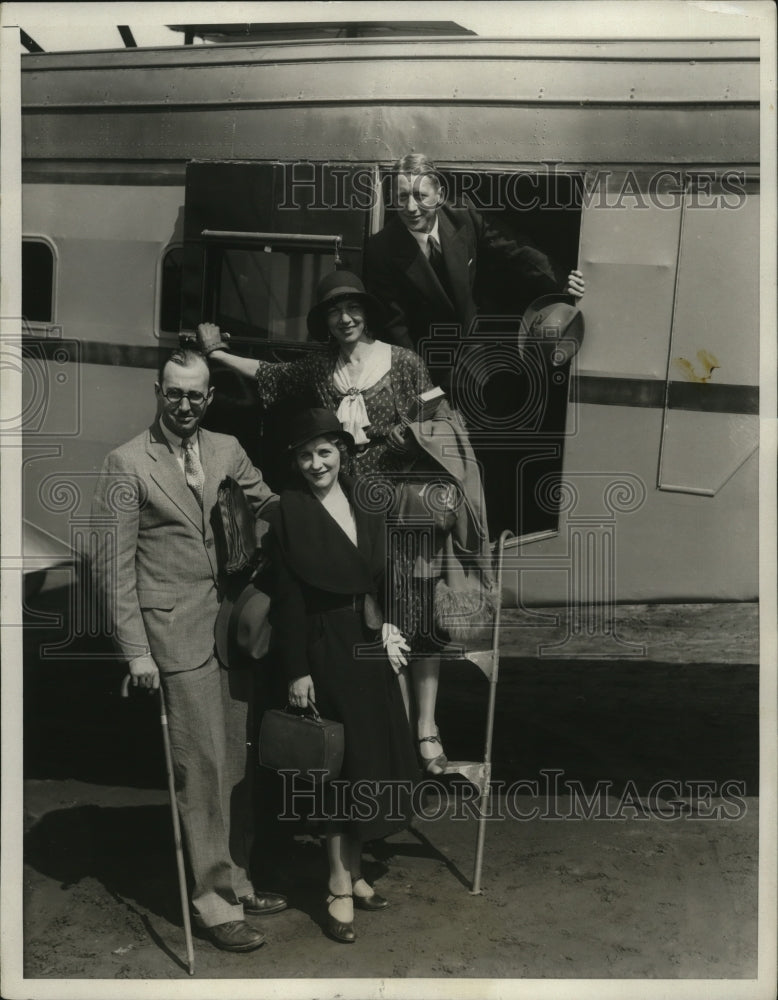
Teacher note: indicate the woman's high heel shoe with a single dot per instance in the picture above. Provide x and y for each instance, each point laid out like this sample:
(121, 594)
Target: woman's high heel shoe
(433, 765)
(339, 930)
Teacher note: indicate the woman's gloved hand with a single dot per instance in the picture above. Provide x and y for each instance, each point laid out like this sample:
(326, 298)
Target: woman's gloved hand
(210, 338)
(395, 645)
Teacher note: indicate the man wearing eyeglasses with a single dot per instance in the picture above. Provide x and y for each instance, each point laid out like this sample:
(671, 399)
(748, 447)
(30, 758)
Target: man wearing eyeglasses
(156, 570)
(423, 264)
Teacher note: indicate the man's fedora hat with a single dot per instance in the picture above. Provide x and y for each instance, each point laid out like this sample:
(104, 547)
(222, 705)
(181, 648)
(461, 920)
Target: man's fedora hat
(556, 320)
(316, 423)
(335, 286)
(242, 629)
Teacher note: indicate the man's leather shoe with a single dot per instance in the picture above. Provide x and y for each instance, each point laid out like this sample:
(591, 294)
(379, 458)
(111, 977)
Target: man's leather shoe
(261, 904)
(235, 935)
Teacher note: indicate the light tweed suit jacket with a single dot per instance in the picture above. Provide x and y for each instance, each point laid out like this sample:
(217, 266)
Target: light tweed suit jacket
(155, 568)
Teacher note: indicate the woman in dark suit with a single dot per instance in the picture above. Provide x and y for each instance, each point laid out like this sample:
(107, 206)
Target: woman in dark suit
(330, 555)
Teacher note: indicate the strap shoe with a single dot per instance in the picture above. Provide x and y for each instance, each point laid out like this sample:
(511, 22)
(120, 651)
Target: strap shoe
(339, 930)
(371, 902)
(433, 765)
(374, 902)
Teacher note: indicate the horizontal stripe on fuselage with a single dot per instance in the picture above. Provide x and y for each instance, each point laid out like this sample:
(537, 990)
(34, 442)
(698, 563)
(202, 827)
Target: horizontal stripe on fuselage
(593, 389)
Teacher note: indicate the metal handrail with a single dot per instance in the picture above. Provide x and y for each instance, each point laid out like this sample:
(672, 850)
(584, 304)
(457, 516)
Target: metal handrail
(292, 239)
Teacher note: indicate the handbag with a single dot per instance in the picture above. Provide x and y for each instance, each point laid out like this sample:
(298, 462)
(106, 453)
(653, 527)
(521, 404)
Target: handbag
(234, 528)
(307, 744)
(466, 614)
(426, 499)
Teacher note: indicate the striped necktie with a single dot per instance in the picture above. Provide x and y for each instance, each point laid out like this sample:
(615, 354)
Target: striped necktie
(193, 470)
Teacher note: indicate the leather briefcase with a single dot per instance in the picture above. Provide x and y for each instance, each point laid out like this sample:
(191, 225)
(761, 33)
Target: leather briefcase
(308, 744)
(233, 528)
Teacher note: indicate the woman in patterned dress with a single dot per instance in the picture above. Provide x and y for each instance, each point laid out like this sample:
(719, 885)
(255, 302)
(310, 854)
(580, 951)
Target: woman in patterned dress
(371, 386)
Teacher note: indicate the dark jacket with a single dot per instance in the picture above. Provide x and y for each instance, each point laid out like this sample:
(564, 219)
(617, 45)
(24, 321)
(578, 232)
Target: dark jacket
(318, 569)
(401, 277)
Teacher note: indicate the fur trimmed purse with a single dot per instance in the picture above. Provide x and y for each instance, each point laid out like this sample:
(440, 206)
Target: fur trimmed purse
(465, 608)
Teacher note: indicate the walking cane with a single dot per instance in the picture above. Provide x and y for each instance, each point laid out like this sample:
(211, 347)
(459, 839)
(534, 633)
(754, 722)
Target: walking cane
(176, 825)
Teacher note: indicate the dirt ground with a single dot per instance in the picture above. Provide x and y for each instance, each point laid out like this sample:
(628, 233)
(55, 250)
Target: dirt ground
(658, 883)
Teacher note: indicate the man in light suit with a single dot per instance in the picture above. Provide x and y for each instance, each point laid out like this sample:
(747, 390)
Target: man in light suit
(423, 264)
(156, 570)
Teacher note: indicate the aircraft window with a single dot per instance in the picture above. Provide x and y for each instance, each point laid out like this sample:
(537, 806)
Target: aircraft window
(265, 294)
(170, 290)
(37, 281)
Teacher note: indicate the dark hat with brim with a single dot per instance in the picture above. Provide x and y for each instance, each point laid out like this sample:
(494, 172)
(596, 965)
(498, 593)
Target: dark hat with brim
(316, 423)
(556, 320)
(338, 285)
(242, 630)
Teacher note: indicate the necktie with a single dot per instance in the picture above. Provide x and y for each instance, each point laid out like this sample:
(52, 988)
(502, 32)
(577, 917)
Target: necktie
(437, 263)
(193, 470)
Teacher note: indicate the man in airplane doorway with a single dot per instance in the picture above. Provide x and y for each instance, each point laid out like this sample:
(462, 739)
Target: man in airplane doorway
(423, 264)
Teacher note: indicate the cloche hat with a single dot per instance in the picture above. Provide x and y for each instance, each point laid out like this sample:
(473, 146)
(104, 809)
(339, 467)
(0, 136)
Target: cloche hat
(336, 285)
(319, 422)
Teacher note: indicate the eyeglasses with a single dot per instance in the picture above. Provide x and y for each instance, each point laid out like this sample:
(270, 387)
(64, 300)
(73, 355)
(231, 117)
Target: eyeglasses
(350, 306)
(176, 395)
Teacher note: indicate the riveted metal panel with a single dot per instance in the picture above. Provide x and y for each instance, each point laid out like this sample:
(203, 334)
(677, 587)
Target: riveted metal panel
(714, 343)
(499, 100)
(675, 547)
(629, 258)
(727, 135)
(594, 49)
(491, 80)
(701, 452)
(716, 329)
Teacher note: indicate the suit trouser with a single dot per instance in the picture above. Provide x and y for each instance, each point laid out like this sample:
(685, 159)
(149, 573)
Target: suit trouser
(209, 718)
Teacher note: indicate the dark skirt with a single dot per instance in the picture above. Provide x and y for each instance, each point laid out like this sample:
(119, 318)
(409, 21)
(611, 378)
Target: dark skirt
(360, 689)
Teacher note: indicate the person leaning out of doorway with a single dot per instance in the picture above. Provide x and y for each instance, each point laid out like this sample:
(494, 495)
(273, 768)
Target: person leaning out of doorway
(424, 264)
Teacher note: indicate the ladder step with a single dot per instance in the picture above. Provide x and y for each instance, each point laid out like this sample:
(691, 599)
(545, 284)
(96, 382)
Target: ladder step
(457, 652)
(475, 771)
